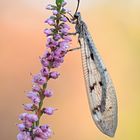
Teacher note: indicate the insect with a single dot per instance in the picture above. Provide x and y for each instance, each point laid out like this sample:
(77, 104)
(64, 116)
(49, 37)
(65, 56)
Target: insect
(100, 89)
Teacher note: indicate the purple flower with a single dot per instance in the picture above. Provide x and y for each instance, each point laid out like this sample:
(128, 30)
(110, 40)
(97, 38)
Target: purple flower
(47, 52)
(49, 7)
(55, 64)
(31, 95)
(57, 37)
(39, 79)
(28, 124)
(24, 136)
(25, 118)
(48, 93)
(44, 71)
(50, 21)
(21, 127)
(64, 25)
(34, 97)
(44, 128)
(49, 110)
(37, 131)
(54, 43)
(54, 75)
(29, 107)
(51, 43)
(42, 133)
(37, 138)
(64, 19)
(36, 100)
(36, 88)
(22, 116)
(59, 58)
(48, 57)
(48, 32)
(44, 62)
(47, 131)
(64, 3)
(60, 52)
(32, 117)
(55, 12)
(64, 31)
(29, 117)
(64, 45)
(67, 38)
(66, 10)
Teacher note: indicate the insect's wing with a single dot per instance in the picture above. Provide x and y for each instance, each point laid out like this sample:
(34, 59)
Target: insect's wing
(94, 71)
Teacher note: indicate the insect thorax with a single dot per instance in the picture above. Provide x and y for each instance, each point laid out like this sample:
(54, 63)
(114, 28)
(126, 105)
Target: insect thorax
(80, 27)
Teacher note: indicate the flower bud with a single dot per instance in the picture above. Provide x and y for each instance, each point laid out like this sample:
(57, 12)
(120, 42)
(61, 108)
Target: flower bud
(55, 12)
(21, 127)
(54, 75)
(64, 3)
(32, 117)
(44, 71)
(50, 21)
(48, 93)
(22, 116)
(44, 62)
(49, 110)
(49, 7)
(36, 88)
(24, 136)
(39, 79)
(48, 32)
(64, 19)
(29, 107)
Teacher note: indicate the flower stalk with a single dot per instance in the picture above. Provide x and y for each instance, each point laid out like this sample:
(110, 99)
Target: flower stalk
(58, 42)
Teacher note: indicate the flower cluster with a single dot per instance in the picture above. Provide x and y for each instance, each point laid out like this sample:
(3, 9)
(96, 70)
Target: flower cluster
(56, 48)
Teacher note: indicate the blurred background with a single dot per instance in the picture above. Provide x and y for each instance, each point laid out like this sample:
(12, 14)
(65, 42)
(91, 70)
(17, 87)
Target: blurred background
(115, 27)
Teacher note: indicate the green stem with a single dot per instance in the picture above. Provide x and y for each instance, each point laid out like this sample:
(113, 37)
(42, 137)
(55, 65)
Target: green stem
(39, 111)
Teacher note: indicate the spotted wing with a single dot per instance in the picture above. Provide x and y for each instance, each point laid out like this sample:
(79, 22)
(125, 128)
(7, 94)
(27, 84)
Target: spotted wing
(100, 89)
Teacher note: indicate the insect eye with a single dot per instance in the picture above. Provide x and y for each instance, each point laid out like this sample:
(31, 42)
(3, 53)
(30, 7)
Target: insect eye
(77, 15)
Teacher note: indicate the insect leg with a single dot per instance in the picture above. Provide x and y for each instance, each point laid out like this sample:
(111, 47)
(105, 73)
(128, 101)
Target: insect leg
(73, 33)
(74, 49)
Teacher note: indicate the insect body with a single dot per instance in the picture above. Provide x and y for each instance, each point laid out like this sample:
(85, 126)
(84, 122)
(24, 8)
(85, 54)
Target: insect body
(100, 89)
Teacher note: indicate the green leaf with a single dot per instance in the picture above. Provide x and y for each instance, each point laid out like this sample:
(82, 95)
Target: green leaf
(59, 2)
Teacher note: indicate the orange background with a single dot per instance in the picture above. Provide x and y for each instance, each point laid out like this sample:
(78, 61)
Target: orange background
(115, 26)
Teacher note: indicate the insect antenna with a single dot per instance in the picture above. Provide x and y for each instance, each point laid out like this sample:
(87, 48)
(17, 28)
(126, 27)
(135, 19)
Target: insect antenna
(77, 7)
(73, 16)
